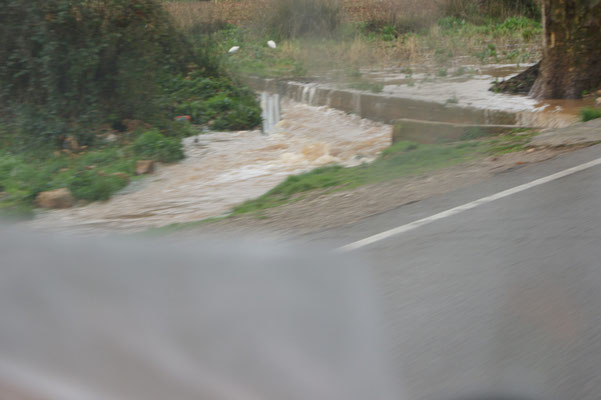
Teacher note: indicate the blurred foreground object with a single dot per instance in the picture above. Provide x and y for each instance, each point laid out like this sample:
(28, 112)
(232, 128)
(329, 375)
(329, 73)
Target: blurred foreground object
(142, 319)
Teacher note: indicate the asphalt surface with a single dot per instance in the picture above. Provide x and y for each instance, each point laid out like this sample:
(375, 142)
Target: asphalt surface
(502, 298)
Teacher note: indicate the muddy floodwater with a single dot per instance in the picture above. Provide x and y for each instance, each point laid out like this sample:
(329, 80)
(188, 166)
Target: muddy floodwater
(223, 169)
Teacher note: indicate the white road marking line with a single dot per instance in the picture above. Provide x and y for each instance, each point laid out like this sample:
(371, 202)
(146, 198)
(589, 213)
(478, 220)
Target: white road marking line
(465, 207)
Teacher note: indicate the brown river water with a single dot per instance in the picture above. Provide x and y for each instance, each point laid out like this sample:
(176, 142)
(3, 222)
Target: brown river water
(223, 169)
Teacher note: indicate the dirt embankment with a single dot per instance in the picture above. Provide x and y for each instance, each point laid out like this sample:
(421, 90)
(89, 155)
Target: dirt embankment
(320, 211)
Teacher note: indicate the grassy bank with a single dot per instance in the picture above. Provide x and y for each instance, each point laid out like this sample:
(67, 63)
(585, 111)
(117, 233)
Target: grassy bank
(90, 174)
(400, 160)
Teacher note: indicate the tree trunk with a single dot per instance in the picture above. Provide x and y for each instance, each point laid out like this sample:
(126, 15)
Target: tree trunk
(571, 61)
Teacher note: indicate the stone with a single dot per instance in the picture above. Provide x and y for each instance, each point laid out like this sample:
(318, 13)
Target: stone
(598, 101)
(71, 144)
(59, 198)
(144, 167)
(110, 138)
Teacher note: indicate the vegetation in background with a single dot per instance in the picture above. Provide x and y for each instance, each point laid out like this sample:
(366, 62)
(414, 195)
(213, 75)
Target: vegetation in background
(290, 19)
(590, 113)
(365, 33)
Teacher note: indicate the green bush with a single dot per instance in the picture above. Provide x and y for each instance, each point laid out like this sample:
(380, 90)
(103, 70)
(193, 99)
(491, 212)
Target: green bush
(68, 64)
(590, 113)
(153, 145)
(216, 102)
(239, 117)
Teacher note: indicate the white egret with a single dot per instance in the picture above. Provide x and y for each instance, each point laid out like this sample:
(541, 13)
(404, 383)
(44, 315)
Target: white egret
(271, 44)
(234, 49)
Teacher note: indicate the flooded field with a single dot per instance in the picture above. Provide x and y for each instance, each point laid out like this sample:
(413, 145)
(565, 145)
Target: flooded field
(224, 169)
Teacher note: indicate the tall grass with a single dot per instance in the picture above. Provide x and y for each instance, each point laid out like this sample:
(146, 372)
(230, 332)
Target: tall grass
(288, 19)
(400, 15)
(321, 35)
(404, 15)
(478, 11)
(198, 17)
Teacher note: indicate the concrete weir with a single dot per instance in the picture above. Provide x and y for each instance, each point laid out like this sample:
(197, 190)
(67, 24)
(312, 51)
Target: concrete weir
(416, 120)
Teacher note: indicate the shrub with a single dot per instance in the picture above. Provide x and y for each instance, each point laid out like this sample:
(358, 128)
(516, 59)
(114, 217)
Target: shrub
(71, 63)
(92, 186)
(217, 102)
(239, 117)
(590, 113)
(153, 145)
(296, 18)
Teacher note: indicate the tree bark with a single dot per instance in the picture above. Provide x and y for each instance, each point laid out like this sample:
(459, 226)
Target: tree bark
(571, 61)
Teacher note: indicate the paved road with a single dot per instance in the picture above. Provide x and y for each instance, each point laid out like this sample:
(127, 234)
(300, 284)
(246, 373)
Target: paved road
(504, 295)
